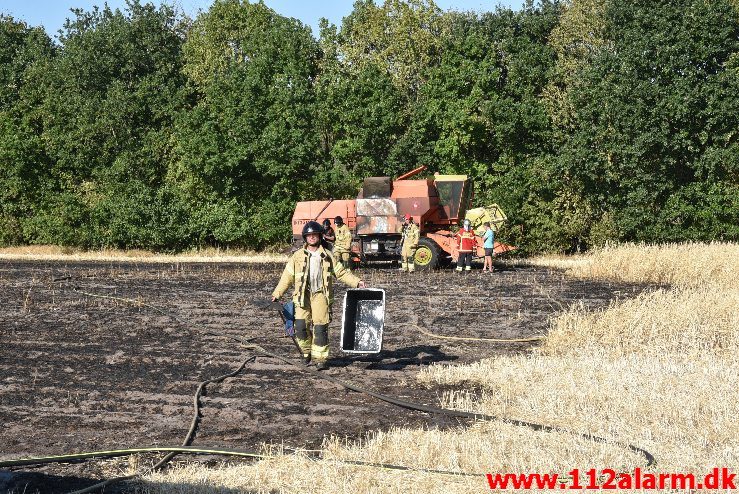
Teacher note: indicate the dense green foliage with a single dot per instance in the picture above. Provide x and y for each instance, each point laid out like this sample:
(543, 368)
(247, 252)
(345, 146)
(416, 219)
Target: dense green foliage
(587, 120)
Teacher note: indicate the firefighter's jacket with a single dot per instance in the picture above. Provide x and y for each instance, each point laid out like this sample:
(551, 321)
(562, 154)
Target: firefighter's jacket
(411, 233)
(343, 239)
(297, 274)
(466, 240)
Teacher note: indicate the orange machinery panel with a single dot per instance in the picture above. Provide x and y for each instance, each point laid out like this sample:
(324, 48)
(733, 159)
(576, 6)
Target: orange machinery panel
(414, 188)
(320, 210)
(418, 198)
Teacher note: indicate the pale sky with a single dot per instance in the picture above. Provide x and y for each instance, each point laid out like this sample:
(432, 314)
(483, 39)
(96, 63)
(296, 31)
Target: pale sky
(52, 13)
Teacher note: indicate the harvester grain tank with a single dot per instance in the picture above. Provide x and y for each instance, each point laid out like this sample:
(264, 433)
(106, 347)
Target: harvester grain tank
(375, 217)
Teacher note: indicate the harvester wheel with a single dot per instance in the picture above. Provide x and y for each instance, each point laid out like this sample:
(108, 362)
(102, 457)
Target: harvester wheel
(427, 254)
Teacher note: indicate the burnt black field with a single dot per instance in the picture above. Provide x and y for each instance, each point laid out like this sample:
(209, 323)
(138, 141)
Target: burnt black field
(81, 373)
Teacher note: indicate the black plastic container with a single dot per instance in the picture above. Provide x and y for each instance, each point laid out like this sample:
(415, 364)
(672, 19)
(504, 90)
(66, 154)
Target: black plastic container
(363, 320)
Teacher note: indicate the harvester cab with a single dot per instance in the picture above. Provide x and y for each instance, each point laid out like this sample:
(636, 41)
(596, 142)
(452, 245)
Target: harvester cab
(455, 196)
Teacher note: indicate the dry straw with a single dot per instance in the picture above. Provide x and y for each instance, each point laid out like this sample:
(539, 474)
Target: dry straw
(679, 265)
(55, 253)
(658, 371)
(689, 321)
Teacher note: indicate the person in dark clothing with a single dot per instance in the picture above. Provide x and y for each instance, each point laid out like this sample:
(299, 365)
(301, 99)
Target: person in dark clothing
(329, 236)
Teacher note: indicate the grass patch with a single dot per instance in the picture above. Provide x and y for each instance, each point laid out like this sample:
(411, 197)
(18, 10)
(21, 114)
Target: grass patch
(689, 264)
(210, 254)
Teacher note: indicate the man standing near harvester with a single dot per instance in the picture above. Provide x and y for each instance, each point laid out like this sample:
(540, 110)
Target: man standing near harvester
(410, 234)
(343, 242)
(311, 271)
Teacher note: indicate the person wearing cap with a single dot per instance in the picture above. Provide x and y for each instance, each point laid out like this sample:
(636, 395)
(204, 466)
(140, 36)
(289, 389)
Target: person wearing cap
(311, 270)
(466, 245)
(343, 242)
(410, 235)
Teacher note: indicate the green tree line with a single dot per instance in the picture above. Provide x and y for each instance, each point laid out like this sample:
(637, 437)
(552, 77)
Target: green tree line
(587, 121)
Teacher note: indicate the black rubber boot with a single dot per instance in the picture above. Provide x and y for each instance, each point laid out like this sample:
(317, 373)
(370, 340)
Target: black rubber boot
(323, 365)
(306, 359)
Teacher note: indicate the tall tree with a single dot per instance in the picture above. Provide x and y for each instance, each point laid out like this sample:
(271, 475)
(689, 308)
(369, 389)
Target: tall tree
(360, 116)
(106, 105)
(248, 148)
(578, 37)
(21, 149)
(401, 37)
(480, 111)
(654, 145)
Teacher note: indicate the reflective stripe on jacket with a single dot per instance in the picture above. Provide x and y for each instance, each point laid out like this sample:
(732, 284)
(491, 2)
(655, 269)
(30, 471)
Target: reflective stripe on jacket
(297, 274)
(466, 240)
(343, 239)
(411, 233)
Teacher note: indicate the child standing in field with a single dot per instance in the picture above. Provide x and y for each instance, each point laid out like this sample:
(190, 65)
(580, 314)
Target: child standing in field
(488, 243)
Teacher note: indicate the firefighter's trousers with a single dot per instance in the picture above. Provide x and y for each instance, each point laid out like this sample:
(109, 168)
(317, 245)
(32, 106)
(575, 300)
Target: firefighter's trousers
(407, 254)
(313, 340)
(343, 257)
(464, 260)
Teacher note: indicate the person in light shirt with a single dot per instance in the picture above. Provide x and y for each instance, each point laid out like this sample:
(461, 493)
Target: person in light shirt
(488, 243)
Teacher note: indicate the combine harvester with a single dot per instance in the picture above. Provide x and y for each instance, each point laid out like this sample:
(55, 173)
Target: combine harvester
(375, 217)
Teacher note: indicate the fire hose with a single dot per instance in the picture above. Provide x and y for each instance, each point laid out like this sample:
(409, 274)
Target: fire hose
(259, 350)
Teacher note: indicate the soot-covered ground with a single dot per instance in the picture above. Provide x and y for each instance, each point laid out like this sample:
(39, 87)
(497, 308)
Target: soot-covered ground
(81, 373)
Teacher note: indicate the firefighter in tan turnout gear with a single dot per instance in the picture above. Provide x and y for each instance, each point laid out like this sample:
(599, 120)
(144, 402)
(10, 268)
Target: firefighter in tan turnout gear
(410, 234)
(343, 242)
(311, 271)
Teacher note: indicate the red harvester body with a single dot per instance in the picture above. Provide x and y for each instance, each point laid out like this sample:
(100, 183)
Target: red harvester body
(375, 217)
